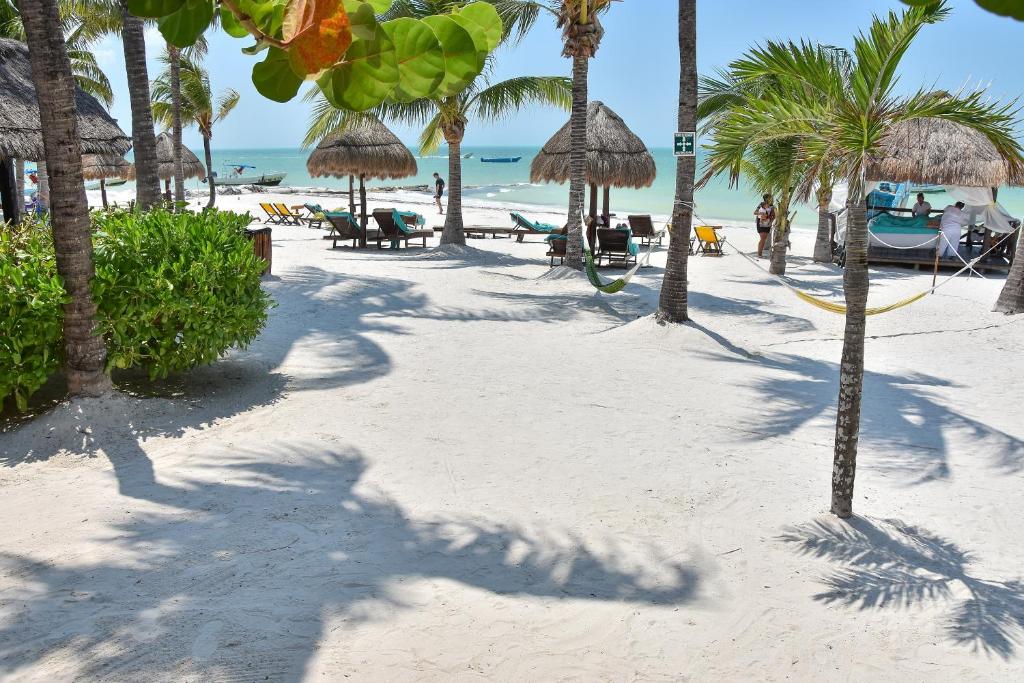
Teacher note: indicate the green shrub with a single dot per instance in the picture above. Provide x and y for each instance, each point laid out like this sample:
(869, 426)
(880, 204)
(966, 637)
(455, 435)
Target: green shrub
(176, 290)
(31, 295)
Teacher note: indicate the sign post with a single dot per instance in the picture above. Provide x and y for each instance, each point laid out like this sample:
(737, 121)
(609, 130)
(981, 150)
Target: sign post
(685, 144)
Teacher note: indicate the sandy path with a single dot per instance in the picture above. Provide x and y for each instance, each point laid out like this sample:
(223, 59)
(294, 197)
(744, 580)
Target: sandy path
(457, 469)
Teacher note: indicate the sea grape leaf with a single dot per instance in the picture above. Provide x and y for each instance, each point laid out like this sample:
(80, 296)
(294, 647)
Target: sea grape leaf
(274, 78)
(362, 19)
(376, 6)
(266, 15)
(477, 35)
(1006, 8)
(366, 77)
(183, 28)
(231, 25)
(485, 17)
(461, 59)
(421, 66)
(317, 33)
(154, 9)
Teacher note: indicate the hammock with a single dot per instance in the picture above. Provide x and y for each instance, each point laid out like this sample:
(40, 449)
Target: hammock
(615, 285)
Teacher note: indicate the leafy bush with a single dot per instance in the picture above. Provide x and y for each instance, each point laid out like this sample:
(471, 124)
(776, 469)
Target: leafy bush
(172, 290)
(176, 290)
(31, 295)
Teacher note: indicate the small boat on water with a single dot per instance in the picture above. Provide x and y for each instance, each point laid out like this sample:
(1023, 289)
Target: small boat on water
(236, 174)
(925, 188)
(109, 182)
(500, 160)
(467, 156)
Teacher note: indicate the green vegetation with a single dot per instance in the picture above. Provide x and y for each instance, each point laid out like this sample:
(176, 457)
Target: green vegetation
(173, 291)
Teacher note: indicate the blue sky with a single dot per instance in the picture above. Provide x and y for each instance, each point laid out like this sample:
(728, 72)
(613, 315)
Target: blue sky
(636, 70)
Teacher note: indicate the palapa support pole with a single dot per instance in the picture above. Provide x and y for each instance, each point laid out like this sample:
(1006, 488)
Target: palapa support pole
(606, 211)
(103, 192)
(592, 218)
(938, 250)
(362, 207)
(8, 191)
(351, 194)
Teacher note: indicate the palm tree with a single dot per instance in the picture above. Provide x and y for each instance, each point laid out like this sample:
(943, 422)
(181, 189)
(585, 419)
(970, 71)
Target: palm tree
(581, 36)
(845, 126)
(174, 65)
(1011, 298)
(445, 118)
(197, 105)
(147, 182)
(673, 303)
(72, 235)
(82, 22)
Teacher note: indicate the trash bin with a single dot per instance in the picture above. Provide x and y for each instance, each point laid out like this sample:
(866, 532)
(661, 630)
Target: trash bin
(261, 245)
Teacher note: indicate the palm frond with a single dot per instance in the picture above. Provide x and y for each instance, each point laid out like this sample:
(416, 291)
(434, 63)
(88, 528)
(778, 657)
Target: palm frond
(432, 136)
(503, 99)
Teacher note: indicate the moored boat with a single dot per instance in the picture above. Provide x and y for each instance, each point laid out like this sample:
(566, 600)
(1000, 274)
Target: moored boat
(236, 175)
(500, 160)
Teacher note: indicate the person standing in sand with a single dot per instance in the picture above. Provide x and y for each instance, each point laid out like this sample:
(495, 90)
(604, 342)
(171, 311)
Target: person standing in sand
(764, 217)
(438, 191)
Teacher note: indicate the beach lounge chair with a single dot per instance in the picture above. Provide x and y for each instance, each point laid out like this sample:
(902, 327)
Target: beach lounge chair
(709, 242)
(399, 226)
(523, 223)
(287, 217)
(643, 230)
(316, 216)
(344, 226)
(614, 246)
(272, 215)
(556, 248)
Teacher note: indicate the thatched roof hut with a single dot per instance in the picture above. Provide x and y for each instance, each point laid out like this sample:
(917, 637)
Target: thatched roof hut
(102, 166)
(943, 153)
(616, 157)
(20, 130)
(191, 166)
(367, 149)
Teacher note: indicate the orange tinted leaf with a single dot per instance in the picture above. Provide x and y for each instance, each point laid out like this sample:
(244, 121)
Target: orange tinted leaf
(317, 33)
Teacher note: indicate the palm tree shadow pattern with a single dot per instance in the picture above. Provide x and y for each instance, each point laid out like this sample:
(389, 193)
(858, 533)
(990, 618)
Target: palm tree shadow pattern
(902, 421)
(892, 565)
(239, 572)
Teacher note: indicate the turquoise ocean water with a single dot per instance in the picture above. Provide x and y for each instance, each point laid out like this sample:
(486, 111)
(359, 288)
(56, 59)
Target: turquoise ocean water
(511, 183)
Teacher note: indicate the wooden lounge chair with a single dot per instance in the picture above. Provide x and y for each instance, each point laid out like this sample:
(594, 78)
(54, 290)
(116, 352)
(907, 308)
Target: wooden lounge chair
(524, 226)
(272, 215)
(643, 230)
(344, 226)
(388, 220)
(709, 242)
(613, 246)
(287, 217)
(556, 248)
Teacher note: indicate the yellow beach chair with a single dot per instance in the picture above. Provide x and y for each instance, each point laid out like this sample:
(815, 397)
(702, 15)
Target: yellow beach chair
(709, 242)
(286, 214)
(272, 215)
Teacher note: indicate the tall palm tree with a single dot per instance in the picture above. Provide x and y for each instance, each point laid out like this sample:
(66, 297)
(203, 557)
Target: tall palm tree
(446, 118)
(72, 236)
(845, 126)
(197, 105)
(581, 36)
(147, 182)
(174, 66)
(673, 301)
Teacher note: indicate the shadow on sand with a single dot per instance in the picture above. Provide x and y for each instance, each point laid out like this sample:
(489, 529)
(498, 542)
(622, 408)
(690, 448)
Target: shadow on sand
(886, 564)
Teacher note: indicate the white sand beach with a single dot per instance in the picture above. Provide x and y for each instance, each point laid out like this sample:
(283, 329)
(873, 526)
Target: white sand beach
(465, 466)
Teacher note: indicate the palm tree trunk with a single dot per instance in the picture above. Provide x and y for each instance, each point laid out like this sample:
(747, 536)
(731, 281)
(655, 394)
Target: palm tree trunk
(453, 225)
(851, 368)
(147, 184)
(208, 158)
(673, 304)
(822, 240)
(72, 236)
(103, 193)
(179, 171)
(19, 171)
(351, 196)
(577, 162)
(12, 205)
(1011, 299)
(363, 220)
(781, 243)
(43, 187)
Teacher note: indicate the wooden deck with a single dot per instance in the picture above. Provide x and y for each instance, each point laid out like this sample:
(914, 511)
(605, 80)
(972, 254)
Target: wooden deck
(924, 259)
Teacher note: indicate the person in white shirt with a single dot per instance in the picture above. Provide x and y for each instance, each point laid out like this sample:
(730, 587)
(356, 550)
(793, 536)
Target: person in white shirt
(951, 225)
(922, 208)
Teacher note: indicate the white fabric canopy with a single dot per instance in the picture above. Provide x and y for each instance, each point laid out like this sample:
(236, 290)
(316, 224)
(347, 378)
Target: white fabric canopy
(980, 209)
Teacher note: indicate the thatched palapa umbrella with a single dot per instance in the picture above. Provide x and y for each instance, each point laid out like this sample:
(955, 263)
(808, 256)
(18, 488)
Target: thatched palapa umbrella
(103, 166)
(21, 133)
(616, 157)
(366, 149)
(190, 164)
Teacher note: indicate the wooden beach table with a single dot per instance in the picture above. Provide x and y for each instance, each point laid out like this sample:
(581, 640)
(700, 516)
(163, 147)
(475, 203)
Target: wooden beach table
(481, 232)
